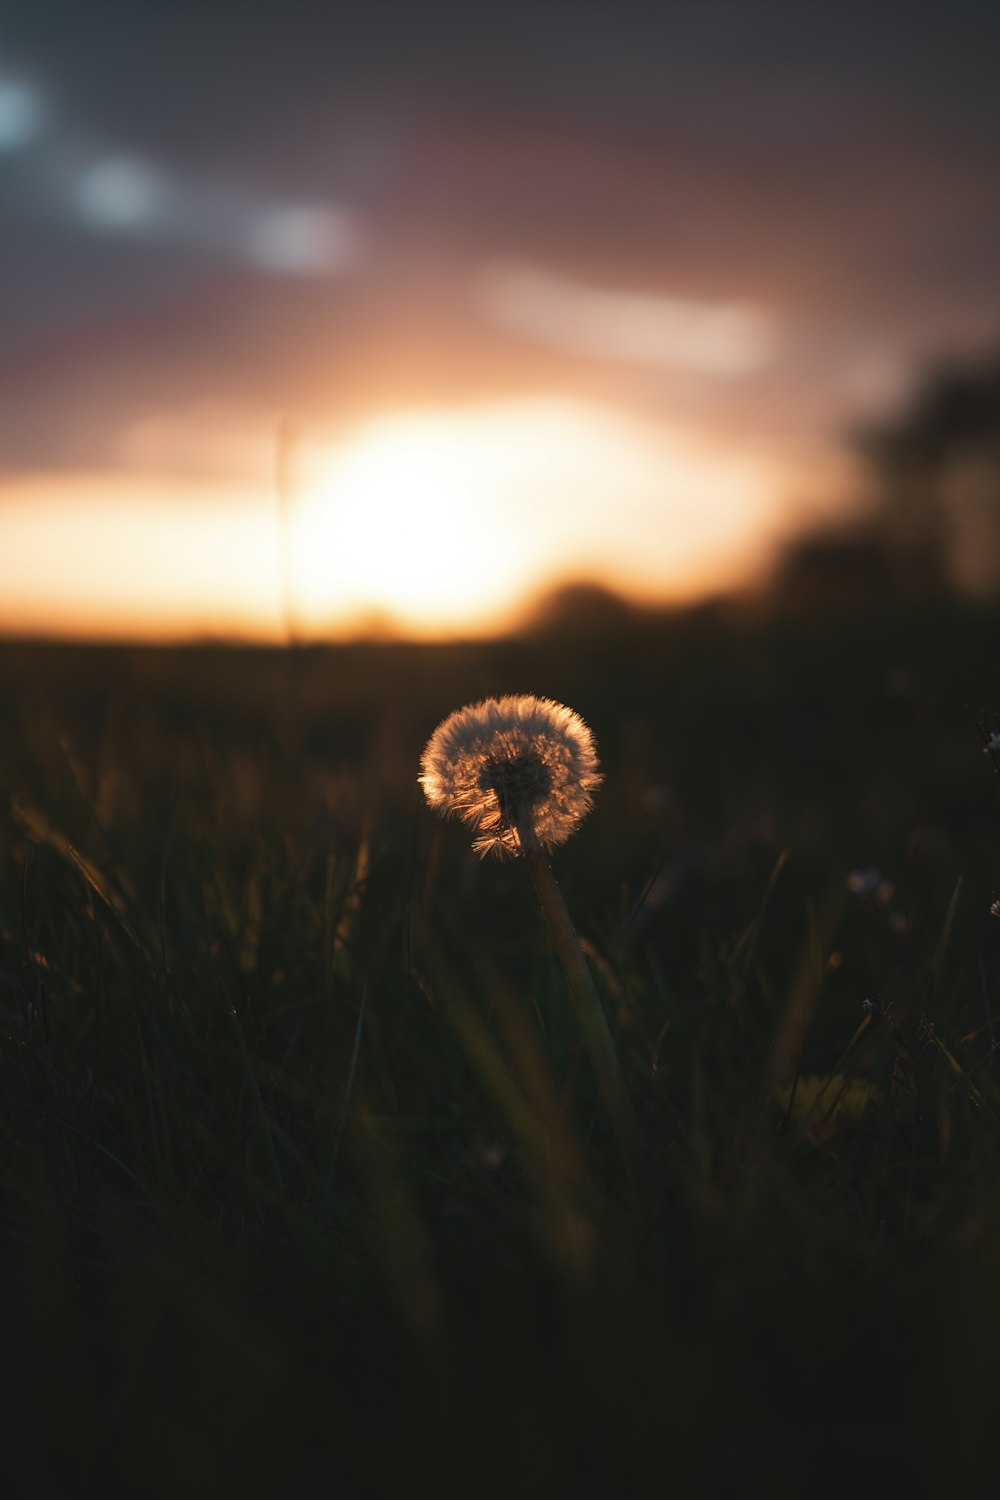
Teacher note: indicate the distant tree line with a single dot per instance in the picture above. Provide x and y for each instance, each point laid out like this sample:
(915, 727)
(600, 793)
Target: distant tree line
(931, 516)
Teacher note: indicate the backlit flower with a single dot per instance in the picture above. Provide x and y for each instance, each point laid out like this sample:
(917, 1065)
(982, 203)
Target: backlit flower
(514, 769)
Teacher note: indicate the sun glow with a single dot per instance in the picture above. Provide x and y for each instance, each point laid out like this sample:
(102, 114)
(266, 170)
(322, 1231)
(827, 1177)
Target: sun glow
(429, 523)
(110, 556)
(443, 520)
(400, 522)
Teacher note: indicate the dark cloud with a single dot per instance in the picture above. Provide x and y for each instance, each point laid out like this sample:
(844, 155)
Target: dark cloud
(835, 165)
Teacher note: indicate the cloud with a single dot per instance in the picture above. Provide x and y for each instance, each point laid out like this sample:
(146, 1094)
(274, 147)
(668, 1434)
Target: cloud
(720, 227)
(116, 193)
(120, 194)
(303, 239)
(725, 339)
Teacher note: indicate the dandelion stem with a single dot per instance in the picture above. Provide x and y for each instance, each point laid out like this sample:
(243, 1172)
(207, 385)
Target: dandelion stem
(600, 1047)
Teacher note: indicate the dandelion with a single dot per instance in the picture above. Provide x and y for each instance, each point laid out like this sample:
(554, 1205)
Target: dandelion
(521, 772)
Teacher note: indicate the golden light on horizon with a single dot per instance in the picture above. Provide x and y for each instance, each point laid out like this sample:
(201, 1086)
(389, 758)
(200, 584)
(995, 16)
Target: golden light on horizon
(449, 519)
(401, 520)
(430, 523)
(147, 557)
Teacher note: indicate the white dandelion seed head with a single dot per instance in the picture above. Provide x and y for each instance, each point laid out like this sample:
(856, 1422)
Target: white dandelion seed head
(513, 769)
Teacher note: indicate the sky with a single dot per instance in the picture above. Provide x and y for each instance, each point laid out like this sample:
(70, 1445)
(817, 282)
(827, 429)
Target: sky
(534, 292)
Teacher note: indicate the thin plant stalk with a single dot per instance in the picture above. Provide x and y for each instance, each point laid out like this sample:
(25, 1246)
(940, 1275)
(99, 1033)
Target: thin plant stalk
(286, 452)
(589, 1011)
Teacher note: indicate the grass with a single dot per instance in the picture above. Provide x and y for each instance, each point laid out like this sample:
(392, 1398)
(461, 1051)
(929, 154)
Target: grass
(306, 1186)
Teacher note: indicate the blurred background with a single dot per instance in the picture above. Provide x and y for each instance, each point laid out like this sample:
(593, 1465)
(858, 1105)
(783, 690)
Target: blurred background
(320, 322)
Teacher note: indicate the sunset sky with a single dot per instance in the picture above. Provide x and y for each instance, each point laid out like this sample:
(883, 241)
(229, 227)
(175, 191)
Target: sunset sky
(549, 291)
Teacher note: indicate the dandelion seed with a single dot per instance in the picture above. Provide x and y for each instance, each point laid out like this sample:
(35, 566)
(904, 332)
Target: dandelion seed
(520, 771)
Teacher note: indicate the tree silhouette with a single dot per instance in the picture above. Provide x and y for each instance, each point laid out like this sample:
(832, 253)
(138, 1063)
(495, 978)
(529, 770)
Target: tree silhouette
(935, 471)
(931, 482)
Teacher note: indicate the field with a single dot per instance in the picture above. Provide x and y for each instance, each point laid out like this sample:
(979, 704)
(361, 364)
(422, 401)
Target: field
(306, 1187)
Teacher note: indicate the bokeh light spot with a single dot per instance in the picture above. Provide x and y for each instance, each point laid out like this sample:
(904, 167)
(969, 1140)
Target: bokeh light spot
(22, 114)
(119, 193)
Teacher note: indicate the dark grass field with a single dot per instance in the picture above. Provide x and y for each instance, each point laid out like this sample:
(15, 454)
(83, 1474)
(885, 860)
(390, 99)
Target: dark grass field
(306, 1187)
